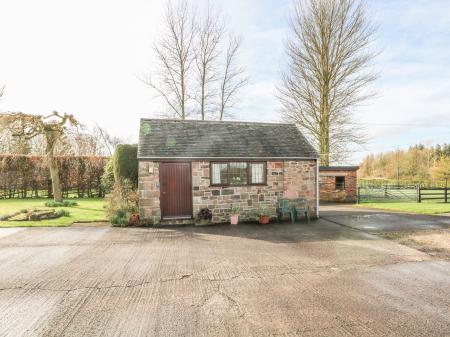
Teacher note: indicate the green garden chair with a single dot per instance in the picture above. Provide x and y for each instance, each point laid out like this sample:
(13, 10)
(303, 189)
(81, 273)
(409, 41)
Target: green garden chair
(301, 206)
(284, 206)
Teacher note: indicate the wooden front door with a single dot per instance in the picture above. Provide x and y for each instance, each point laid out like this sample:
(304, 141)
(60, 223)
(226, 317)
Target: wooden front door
(176, 191)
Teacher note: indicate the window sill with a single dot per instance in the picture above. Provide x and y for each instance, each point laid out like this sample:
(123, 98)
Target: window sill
(246, 185)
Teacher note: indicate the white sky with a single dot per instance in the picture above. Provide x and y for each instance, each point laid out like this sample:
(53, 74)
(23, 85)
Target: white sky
(85, 57)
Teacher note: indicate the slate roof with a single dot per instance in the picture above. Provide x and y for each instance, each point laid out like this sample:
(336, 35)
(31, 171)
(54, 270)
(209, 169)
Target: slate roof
(171, 139)
(339, 168)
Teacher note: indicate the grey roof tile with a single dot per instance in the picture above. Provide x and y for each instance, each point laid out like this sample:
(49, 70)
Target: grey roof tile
(164, 138)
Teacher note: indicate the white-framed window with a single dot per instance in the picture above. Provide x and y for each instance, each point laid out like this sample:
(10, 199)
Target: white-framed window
(238, 173)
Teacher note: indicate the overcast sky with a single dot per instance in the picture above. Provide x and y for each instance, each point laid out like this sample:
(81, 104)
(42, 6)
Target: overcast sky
(84, 57)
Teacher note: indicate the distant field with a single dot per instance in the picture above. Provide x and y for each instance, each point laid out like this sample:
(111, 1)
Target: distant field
(87, 210)
(426, 207)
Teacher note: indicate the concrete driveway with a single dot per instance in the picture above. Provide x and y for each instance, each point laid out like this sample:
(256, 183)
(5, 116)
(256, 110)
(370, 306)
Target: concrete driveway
(373, 220)
(318, 279)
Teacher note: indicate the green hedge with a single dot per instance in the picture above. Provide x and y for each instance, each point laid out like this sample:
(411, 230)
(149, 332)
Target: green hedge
(125, 163)
(25, 176)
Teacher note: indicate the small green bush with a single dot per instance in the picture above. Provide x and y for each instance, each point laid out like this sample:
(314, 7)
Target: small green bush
(121, 203)
(117, 221)
(65, 203)
(107, 179)
(62, 212)
(125, 163)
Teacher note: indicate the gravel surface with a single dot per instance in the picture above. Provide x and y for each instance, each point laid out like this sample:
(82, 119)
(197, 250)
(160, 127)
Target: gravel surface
(317, 279)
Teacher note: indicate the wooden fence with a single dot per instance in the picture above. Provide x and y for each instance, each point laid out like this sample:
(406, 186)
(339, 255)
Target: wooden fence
(433, 193)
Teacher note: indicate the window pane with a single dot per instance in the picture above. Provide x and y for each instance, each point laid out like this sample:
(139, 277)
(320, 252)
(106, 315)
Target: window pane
(340, 183)
(238, 174)
(219, 174)
(257, 173)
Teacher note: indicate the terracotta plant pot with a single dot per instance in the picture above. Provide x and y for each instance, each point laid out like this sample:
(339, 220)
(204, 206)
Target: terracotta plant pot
(134, 219)
(264, 219)
(234, 218)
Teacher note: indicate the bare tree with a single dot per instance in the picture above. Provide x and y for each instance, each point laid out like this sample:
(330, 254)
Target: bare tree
(207, 52)
(330, 55)
(233, 78)
(52, 128)
(85, 141)
(194, 62)
(175, 56)
(81, 142)
(109, 142)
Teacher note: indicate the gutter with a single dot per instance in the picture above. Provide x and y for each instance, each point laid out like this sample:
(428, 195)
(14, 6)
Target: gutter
(227, 158)
(317, 188)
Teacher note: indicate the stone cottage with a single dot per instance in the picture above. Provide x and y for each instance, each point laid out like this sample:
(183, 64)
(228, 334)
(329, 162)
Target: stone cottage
(338, 183)
(187, 165)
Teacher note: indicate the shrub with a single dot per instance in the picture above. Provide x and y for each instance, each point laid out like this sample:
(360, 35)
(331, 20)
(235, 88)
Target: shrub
(107, 179)
(122, 202)
(65, 203)
(125, 163)
(117, 220)
(62, 212)
(204, 214)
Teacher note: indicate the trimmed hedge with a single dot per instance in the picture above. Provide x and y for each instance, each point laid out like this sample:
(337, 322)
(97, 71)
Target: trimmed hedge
(23, 176)
(125, 163)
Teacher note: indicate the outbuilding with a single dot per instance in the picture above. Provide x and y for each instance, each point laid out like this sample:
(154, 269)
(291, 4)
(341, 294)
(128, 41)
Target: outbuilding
(188, 165)
(338, 183)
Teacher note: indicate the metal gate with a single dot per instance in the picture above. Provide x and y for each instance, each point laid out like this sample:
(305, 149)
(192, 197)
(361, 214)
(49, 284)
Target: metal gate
(407, 193)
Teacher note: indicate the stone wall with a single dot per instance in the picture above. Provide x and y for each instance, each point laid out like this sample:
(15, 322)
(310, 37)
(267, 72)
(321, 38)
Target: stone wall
(290, 179)
(328, 191)
(249, 199)
(300, 180)
(149, 206)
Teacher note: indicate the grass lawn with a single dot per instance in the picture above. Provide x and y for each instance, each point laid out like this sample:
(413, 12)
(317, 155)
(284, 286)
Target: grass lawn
(411, 207)
(87, 210)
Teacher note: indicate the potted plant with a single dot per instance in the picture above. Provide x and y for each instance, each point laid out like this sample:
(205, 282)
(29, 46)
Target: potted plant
(264, 217)
(234, 217)
(134, 219)
(204, 217)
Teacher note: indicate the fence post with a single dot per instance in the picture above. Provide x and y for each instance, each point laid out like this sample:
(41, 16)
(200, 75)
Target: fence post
(358, 200)
(419, 196)
(446, 190)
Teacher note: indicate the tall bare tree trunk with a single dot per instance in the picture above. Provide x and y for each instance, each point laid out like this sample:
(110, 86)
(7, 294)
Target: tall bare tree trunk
(233, 78)
(324, 144)
(53, 166)
(175, 55)
(329, 60)
(208, 49)
(183, 92)
(202, 96)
